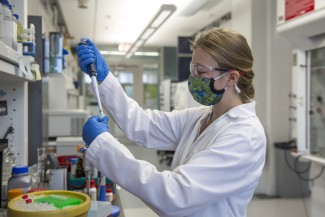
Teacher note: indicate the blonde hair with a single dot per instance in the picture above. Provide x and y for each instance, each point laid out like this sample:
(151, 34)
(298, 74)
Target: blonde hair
(231, 51)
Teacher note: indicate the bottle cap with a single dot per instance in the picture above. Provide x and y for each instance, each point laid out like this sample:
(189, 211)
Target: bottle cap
(16, 16)
(74, 160)
(108, 190)
(5, 2)
(92, 183)
(20, 169)
(15, 192)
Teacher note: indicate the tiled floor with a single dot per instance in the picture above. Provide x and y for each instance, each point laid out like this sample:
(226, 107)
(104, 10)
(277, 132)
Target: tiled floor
(134, 207)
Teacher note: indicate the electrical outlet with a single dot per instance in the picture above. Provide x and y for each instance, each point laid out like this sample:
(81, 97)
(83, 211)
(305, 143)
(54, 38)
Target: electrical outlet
(3, 108)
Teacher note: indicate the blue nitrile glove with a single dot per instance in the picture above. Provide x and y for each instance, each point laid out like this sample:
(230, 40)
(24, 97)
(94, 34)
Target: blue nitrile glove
(94, 127)
(88, 53)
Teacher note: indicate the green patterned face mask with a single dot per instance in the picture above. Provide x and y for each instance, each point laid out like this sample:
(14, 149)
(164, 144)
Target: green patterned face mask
(203, 91)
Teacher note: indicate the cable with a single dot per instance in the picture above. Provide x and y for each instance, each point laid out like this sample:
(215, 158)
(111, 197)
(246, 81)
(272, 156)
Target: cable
(287, 161)
(299, 173)
(10, 130)
(296, 166)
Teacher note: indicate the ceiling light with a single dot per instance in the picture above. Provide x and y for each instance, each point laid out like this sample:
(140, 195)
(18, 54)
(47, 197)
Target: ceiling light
(147, 33)
(139, 44)
(149, 54)
(163, 14)
(160, 19)
(122, 53)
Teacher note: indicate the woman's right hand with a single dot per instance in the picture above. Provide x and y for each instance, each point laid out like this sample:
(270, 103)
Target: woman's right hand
(87, 54)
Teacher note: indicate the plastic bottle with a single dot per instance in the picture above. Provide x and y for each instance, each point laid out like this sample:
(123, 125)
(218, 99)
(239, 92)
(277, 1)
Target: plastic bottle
(74, 162)
(109, 195)
(7, 31)
(20, 178)
(8, 163)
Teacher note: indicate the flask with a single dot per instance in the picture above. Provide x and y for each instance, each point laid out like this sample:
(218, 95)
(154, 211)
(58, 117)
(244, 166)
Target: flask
(20, 178)
(74, 162)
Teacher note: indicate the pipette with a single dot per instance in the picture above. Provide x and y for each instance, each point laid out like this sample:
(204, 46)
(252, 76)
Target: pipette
(92, 71)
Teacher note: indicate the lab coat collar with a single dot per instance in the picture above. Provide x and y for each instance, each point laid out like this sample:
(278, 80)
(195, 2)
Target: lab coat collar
(243, 111)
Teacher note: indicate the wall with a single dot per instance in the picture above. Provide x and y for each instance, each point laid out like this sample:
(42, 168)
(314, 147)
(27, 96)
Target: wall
(279, 63)
(36, 8)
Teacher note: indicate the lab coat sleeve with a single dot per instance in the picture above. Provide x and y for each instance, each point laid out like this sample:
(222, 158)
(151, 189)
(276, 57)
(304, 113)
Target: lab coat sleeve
(147, 128)
(220, 171)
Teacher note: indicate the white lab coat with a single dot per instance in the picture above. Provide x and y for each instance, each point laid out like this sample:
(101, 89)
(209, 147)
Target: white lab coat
(214, 174)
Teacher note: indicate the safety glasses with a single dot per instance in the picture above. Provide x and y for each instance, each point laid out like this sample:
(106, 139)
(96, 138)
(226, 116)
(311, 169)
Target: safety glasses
(198, 70)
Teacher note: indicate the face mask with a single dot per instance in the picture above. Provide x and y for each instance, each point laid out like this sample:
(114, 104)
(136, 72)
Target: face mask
(202, 90)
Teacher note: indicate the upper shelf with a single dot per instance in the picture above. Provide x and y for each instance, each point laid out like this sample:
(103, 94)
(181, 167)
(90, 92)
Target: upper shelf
(14, 66)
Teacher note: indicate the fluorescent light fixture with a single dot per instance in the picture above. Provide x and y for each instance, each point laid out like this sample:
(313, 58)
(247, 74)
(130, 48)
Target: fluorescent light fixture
(160, 19)
(148, 54)
(138, 44)
(147, 33)
(128, 55)
(163, 14)
(122, 53)
(114, 53)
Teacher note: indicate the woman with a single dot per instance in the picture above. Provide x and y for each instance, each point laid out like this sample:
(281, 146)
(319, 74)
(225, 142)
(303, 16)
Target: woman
(219, 147)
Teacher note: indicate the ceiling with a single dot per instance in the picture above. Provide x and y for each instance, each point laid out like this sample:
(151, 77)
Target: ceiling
(113, 22)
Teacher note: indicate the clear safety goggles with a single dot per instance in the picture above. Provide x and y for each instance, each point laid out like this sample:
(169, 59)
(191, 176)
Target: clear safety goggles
(198, 70)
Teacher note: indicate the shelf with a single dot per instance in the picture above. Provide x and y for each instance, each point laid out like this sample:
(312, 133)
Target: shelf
(14, 66)
(305, 31)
